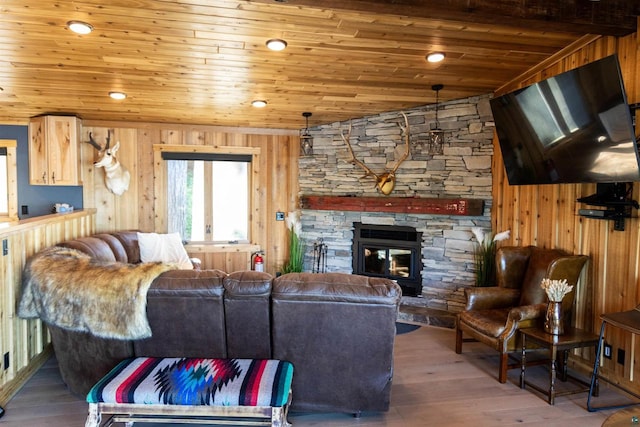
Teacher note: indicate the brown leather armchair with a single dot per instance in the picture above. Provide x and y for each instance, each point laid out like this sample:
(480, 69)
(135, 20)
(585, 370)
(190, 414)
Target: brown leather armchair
(494, 314)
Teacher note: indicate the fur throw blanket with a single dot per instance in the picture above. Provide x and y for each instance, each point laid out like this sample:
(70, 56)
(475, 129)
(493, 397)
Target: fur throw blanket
(67, 288)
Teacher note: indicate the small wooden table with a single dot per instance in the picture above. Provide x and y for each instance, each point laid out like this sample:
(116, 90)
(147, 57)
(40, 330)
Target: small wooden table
(571, 339)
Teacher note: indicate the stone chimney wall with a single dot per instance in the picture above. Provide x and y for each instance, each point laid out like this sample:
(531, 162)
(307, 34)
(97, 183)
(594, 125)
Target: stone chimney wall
(462, 171)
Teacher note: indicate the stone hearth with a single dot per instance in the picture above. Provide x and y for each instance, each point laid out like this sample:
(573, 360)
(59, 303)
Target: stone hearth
(413, 310)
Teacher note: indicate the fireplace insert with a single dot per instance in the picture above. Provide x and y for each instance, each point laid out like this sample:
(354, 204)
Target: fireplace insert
(389, 251)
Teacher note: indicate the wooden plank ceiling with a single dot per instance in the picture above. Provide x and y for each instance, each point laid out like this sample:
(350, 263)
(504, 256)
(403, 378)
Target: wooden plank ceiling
(204, 61)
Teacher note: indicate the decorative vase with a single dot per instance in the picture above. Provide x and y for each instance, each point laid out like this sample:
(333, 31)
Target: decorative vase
(553, 322)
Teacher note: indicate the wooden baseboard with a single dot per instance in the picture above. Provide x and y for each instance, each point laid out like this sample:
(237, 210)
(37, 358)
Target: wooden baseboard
(12, 387)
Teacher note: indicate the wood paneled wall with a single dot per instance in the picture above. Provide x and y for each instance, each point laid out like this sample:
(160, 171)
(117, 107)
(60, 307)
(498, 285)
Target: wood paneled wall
(547, 216)
(26, 341)
(277, 187)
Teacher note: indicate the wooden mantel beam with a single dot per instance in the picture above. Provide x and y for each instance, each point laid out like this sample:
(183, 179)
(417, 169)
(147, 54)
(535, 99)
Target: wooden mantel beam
(413, 205)
(606, 17)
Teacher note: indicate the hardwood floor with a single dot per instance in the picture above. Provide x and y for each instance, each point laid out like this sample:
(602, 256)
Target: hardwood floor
(432, 386)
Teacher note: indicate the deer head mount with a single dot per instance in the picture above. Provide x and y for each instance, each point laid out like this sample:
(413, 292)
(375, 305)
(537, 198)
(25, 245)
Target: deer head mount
(386, 181)
(117, 177)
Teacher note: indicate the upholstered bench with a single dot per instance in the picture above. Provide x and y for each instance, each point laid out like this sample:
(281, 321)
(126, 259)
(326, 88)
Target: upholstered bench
(194, 391)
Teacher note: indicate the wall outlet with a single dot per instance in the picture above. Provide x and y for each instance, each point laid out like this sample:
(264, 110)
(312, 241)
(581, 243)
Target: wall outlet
(25, 210)
(279, 216)
(621, 356)
(607, 350)
(6, 361)
(5, 247)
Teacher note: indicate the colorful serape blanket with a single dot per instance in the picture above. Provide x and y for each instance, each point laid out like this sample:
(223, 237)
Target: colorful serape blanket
(192, 381)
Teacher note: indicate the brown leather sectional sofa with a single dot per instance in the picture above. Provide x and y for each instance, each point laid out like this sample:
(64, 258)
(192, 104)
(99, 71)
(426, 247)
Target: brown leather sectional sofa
(337, 329)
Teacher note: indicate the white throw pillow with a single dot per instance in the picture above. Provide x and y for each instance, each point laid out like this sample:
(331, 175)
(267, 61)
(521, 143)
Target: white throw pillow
(167, 248)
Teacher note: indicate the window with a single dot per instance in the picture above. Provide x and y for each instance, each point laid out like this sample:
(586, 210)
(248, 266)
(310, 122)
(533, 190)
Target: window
(8, 182)
(208, 195)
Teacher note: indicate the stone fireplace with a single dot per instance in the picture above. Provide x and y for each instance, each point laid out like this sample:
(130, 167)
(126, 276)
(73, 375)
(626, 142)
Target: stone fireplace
(462, 172)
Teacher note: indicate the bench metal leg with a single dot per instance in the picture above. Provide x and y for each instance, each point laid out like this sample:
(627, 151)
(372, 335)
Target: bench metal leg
(279, 417)
(94, 417)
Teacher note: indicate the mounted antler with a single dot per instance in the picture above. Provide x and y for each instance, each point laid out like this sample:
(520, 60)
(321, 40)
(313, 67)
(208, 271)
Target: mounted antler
(355, 161)
(407, 135)
(117, 177)
(98, 146)
(386, 181)
(93, 142)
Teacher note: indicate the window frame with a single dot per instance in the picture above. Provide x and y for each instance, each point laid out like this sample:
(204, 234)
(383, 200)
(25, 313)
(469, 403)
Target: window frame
(160, 181)
(12, 181)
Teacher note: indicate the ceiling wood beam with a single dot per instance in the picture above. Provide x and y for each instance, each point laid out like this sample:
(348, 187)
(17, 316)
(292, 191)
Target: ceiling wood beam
(611, 17)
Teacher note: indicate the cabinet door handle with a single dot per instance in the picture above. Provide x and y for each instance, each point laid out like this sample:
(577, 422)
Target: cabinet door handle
(44, 177)
(53, 177)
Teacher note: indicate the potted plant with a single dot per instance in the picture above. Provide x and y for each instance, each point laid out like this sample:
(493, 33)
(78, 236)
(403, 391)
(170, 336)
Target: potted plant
(296, 247)
(485, 255)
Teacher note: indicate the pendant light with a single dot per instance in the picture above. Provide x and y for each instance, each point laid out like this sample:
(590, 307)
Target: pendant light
(436, 135)
(306, 140)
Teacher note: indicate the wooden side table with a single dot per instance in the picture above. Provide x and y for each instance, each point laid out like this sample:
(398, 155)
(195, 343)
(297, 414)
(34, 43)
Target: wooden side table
(628, 321)
(571, 339)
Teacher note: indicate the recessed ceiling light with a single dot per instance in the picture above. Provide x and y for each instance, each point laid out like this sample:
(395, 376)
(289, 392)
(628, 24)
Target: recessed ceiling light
(79, 27)
(435, 57)
(259, 103)
(118, 95)
(276, 44)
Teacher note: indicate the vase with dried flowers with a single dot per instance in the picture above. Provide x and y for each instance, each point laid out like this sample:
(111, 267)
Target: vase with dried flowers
(485, 255)
(556, 291)
(296, 248)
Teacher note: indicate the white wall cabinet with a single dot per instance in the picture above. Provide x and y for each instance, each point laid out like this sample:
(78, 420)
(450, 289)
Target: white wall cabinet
(54, 157)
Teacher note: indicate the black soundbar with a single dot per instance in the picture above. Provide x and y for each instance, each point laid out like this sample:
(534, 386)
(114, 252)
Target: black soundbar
(595, 213)
(601, 213)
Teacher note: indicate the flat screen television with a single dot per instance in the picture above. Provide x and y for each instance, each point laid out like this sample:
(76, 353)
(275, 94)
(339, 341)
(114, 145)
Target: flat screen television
(575, 127)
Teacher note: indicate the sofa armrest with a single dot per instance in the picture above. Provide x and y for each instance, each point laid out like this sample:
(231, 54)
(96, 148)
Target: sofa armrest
(525, 316)
(527, 312)
(491, 297)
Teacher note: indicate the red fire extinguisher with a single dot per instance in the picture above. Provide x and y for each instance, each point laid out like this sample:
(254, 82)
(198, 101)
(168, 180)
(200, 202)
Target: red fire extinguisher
(258, 261)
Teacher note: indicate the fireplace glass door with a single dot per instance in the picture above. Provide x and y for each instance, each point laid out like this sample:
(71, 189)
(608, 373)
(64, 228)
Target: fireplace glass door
(389, 251)
(387, 262)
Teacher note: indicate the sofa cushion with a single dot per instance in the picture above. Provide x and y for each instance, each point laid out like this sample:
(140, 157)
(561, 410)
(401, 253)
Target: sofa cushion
(490, 322)
(168, 248)
(248, 283)
(129, 240)
(336, 287)
(92, 246)
(116, 246)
